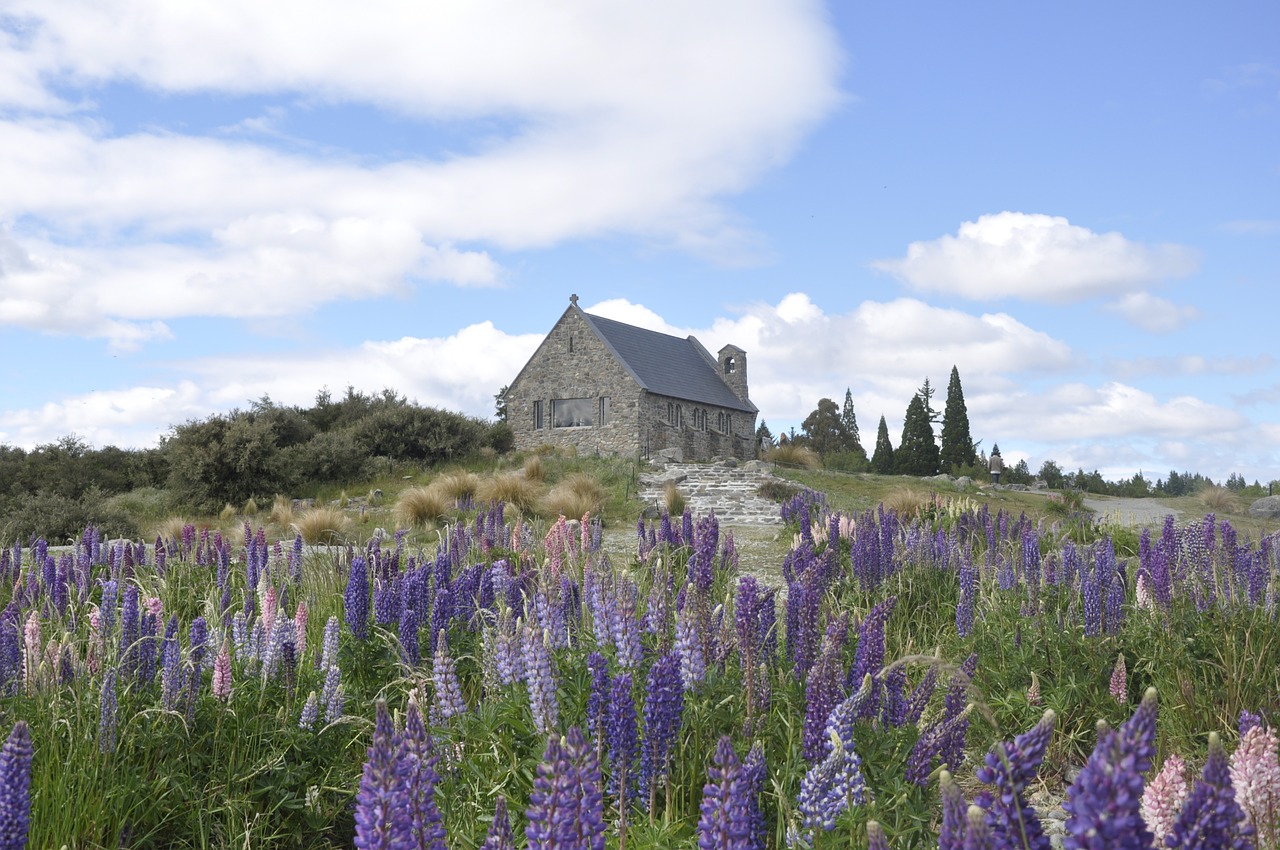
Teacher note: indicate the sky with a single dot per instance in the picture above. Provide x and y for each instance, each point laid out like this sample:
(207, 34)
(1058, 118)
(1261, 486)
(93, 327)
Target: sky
(1075, 205)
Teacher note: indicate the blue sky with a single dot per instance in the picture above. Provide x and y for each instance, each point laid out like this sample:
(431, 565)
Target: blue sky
(1078, 206)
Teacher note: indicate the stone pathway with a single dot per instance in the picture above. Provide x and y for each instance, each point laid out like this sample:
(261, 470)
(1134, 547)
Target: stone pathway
(727, 487)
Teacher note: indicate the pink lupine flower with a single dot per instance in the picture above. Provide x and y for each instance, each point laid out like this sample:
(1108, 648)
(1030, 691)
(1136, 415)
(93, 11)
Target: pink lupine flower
(222, 673)
(1119, 681)
(1255, 775)
(1163, 798)
(1033, 692)
(155, 605)
(585, 527)
(1145, 599)
(269, 605)
(300, 626)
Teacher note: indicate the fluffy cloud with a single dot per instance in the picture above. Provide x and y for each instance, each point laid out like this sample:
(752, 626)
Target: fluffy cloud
(1036, 258)
(593, 120)
(1152, 313)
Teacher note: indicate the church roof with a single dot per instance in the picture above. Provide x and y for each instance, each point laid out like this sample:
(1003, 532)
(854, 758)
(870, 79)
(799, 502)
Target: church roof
(668, 365)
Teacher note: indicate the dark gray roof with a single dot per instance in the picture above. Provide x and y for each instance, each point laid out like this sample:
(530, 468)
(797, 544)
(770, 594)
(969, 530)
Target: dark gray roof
(668, 365)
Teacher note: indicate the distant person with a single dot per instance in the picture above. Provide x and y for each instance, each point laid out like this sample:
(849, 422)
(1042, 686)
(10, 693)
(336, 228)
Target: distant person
(997, 465)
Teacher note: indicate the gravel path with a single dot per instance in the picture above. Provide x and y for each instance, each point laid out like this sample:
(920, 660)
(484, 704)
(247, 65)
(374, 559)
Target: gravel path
(1131, 512)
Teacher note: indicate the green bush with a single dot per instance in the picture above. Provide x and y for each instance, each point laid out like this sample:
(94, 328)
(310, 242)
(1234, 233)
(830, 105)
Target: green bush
(59, 518)
(847, 462)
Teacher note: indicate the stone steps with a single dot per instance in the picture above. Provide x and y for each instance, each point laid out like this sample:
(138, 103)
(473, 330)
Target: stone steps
(728, 488)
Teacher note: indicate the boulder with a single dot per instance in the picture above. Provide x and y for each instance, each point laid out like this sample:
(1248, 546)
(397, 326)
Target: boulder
(964, 482)
(675, 454)
(1267, 506)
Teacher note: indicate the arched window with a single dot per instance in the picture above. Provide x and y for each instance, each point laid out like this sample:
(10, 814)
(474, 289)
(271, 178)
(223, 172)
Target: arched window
(730, 366)
(679, 416)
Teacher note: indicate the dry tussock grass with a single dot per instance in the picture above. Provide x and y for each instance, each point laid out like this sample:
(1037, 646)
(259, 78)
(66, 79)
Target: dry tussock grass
(250, 507)
(228, 512)
(533, 469)
(282, 511)
(458, 485)
(674, 500)
(170, 528)
(323, 525)
(789, 455)
(422, 506)
(576, 495)
(1219, 500)
(513, 489)
(905, 502)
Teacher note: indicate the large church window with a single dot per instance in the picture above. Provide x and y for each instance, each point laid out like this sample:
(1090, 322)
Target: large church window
(572, 412)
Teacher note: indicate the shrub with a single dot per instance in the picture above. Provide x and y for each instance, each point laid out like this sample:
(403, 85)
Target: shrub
(143, 503)
(1220, 500)
(59, 518)
(777, 490)
(513, 490)
(421, 506)
(789, 455)
(501, 438)
(674, 500)
(575, 496)
(847, 461)
(323, 525)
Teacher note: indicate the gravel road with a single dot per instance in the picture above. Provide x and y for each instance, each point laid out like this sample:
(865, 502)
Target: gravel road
(1131, 512)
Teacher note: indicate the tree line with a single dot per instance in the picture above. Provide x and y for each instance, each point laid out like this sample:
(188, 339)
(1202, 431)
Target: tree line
(228, 458)
(832, 431)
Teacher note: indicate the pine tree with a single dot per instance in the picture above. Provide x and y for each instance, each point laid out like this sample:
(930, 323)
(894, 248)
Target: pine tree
(764, 437)
(926, 395)
(957, 442)
(882, 459)
(850, 421)
(917, 452)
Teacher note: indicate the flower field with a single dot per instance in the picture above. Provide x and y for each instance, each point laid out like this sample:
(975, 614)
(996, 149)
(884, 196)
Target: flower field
(902, 684)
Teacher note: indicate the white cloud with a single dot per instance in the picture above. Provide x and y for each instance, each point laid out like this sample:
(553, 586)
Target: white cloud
(1153, 313)
(604, 119)
(1036, 258)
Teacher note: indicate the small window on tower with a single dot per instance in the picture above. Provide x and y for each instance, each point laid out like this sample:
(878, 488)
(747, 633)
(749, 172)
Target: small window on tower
(730, 366)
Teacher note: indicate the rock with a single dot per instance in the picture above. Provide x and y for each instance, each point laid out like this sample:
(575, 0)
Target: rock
(652, 512)
(675, 454)
(1018, 488)
(1267, 506)
(941, 478)
(728, 463)
(964, 482)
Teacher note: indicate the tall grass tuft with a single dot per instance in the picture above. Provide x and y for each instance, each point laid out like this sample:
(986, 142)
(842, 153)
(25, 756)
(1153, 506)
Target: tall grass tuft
(418, 507)
(250, 507)
(514, 489)
(905, 502)
(1220, 500)
(325, 525)
(282, 511)
(674, 500)
(799, 456)
(459, 485)
(533, 468)
(228, 512)
(170, 528)
(576, 494)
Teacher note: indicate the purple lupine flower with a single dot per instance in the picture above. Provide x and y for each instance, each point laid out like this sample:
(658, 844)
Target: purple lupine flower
(1247, 721)
(108, 710)
(822, 693)
(869, 657)
(408, 630)
(500, 836)
(623, 738)
(598, 701)
(1011, 768)
(329, 648)
(382, 821)
(663, 710)
(723, 823)
(919, 699)
(356, 599)
(444, 677)
(507, 652)
(540, 678)
(310, 712)
(893, 709)
(416, 784)
(625, 627)
(951, 831)
(15, 788)
(831, 787)
(693, 665)
(954, 725)
(566, 808)
(1104, 803)
(875, 836)
(130, 631)
(968, 576)
(979, 836)
(1211, 817)
(170, 672)
(333, 696)
(753, 773)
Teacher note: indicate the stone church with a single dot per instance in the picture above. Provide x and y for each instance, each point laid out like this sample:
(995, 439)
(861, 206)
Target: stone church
(609, 388)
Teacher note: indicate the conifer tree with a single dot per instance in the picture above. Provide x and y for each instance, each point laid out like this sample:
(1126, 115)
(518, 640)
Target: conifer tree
(882, 458)
(917, 452)
(957, 442)
(850, 421)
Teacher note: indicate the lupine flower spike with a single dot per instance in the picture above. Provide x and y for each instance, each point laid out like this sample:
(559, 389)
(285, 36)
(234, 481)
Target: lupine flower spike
(1163, 798)
(500, 836)
(1255, 776)
(15, 788)
(1211, 818)
(1119, 681)
(876, 839)
(381, 821)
